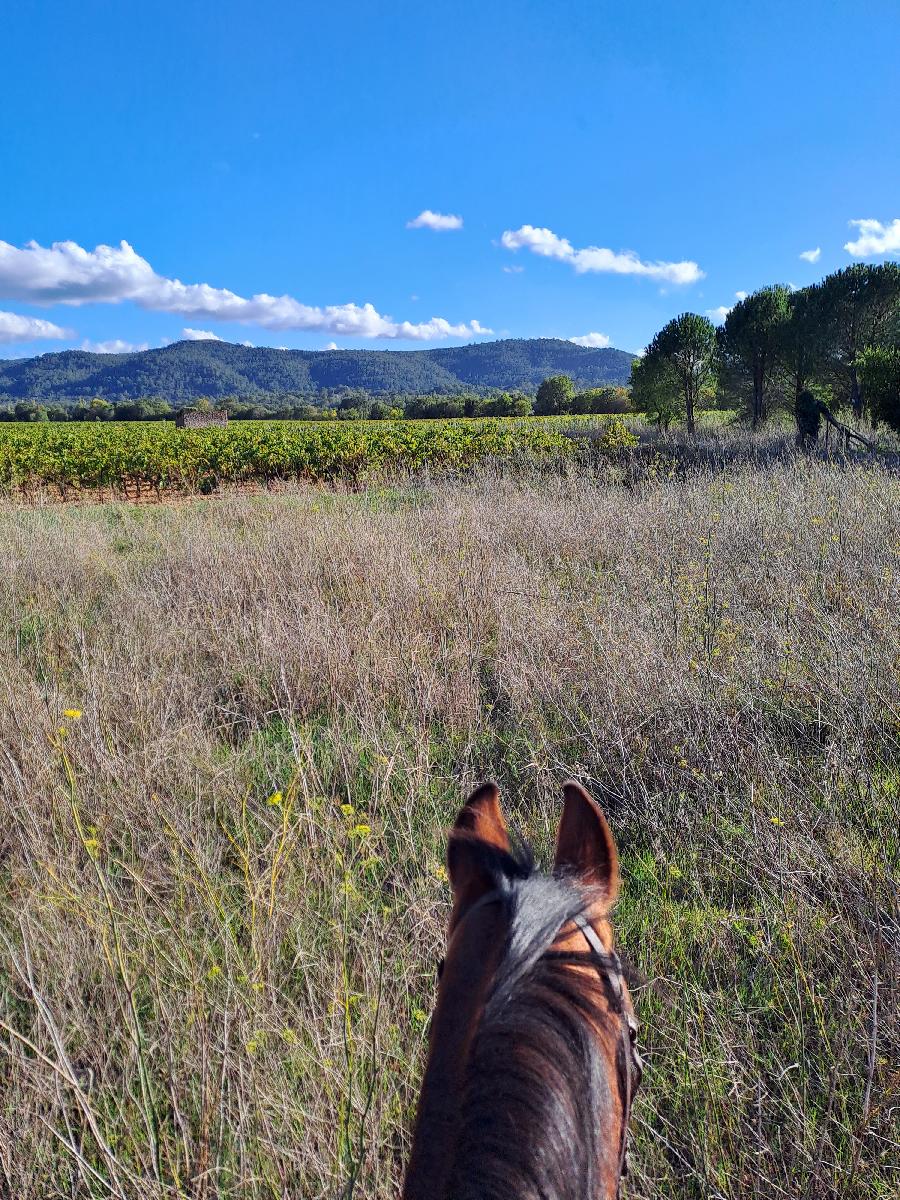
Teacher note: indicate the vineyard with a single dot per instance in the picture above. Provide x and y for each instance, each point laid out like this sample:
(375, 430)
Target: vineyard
(140, 458)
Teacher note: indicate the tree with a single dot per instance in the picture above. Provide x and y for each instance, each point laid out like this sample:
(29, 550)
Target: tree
(655, 390)
(861, 308)
(435, 407)
(602, 400)
(803, 340)
(554, 396)
(155, 407)
(130, 410)
(100, 410)
(878, 368)
(751, 339)
(381, 411)
(688, 345)
(29, 410)
(507, 404)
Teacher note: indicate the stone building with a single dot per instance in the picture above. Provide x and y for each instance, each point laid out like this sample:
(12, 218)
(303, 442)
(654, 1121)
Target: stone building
(195, 418)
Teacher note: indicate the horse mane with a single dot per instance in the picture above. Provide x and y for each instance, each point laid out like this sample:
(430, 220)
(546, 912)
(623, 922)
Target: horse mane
(536, 1086)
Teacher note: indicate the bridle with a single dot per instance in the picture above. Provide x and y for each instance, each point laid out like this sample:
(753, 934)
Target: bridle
(630, 1067)
(630, 1064)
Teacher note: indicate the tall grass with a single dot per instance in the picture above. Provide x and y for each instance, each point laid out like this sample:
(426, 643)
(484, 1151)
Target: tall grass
(221, 884)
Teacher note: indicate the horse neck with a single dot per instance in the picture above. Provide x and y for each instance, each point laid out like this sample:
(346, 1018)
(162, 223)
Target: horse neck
(461, 998)
(461, 1001)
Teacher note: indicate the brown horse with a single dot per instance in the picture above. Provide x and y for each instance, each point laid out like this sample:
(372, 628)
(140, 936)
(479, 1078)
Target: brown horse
(532, 1065)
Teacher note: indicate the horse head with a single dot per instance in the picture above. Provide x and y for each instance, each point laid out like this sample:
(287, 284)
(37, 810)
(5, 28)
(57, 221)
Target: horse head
(532, 1064)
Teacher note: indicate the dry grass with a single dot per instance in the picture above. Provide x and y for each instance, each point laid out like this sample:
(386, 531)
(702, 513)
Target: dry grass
(221, 891)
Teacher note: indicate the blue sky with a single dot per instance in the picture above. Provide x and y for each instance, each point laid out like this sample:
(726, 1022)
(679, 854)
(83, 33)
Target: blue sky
(276, 153)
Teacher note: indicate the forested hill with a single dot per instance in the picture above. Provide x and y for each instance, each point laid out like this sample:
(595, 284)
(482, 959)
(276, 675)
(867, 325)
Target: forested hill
(185, 371)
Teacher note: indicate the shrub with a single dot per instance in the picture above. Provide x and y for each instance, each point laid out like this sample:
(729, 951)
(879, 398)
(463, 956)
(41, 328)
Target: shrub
(879, 375)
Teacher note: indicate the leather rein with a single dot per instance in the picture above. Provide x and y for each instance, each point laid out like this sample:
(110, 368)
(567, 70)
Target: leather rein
(609, 967)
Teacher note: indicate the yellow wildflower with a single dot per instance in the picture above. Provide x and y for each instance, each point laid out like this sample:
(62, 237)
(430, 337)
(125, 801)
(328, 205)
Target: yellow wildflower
(74, 714)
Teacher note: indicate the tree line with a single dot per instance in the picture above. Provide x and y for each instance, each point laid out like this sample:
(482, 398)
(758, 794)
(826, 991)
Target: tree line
(556, 395)
(814, 350)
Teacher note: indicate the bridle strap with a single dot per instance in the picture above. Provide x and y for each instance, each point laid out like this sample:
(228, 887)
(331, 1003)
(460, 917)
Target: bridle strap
(609, 967)
(608, 962)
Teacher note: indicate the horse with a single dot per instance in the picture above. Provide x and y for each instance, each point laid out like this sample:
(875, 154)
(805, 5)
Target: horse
(532, 1064)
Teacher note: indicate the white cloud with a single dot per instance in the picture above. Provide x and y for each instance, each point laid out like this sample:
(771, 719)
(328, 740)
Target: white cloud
(812, 256)
(332, 346)
(114, 346)
(514, 270)
(16, 328)
(874, 238)
(591, 339)
(718, 315)
(596, 258)
(439, 222)
(66, 273)
(199, 335)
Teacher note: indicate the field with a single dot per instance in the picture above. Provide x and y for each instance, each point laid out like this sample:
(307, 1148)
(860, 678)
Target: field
(138, 458)
(232, 735)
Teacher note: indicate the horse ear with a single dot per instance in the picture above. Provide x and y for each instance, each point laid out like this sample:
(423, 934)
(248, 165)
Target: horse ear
(480, 820)
(584, 844)
(481, 816)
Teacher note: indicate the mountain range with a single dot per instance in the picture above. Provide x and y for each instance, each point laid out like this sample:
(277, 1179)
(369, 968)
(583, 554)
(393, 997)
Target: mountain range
(184, 371)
